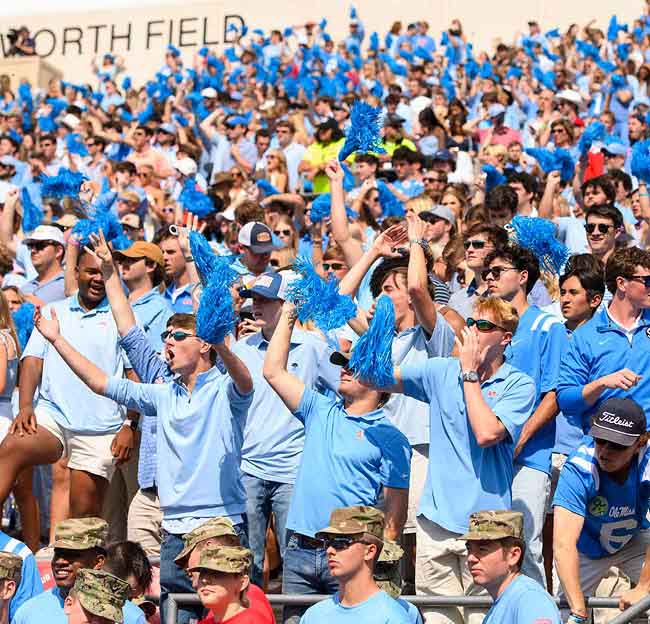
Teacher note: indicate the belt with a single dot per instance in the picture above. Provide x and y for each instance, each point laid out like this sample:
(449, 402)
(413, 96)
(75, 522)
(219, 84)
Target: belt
(151, 490)
(305, 541)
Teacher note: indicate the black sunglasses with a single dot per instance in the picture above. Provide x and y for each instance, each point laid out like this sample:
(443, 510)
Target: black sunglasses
(603, 228)
(39, 246)
(335, 266)
(284, 232)
(612, 445)
(177, 335)
(427, 217)
(495, 272)
(476, 244)
(340, 542)
(482, 325)
(644, 279)
(274, 262)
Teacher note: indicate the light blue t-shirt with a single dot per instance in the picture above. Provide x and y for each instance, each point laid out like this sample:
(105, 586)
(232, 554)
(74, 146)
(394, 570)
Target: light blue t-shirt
(273, 438)
(152, 311)
(378, 609)
(48, 606)
(537, 349)
(346, 461)
(613, 512)
(524, 601)
(30, 578)
(463, 477)
(199, 440)
(67, 399)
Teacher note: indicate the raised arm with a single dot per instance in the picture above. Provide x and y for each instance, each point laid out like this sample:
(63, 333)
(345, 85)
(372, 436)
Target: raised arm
(288, 387)
(7, 221)
(237, 370)
(417, 276)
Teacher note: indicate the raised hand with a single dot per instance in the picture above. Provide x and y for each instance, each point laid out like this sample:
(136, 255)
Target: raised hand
(48, 327)
(388, 242)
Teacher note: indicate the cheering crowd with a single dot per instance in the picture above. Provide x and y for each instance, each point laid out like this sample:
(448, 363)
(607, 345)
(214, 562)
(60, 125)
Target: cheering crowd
(367, 316)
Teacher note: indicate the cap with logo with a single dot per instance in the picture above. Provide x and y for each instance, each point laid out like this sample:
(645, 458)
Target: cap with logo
(354, 520)
(101, 594)
(386, 573)
(215, 527)
(81, 534)
(229, 559)
(142, 249)
(270, 285)
(494, 525)
(257, 236)
(442, 212)
(131, 220)
(10, 566)
(618, 420)
(46, 233)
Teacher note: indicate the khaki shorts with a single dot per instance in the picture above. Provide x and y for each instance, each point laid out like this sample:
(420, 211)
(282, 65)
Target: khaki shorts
(90, 453)
(419, 469)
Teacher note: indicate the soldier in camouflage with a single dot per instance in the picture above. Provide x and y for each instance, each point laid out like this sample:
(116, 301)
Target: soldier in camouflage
(10, 568)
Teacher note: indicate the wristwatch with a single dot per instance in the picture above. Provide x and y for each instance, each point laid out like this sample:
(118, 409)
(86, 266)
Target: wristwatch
(421, 242)
(471, 376)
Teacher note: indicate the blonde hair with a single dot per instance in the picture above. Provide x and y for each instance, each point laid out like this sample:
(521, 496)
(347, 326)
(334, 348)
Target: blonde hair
(288, 221)
(282, 159)
(284, 256)
(419, 204)
(504, 314)
(496, 151)
(7, 321)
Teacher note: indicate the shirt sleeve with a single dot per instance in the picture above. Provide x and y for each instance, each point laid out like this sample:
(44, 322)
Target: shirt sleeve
(572, 488)
(441, 342)
(136, 396)
(308, 406)
(396, 453)
(537, 607)
(573, 376)
(143, 357)
(419, 379)
(516, 405)
(553, 350)
(239, 403)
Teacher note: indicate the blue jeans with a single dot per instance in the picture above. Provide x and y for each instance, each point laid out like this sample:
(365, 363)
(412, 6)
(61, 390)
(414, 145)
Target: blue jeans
(305, 572)
(262, 498)
(174, 579)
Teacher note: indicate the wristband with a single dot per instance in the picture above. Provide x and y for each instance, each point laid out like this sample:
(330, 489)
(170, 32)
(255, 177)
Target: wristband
(421, 242)
(644, 194)
(130, 424)
(577, 619)
(189, 259)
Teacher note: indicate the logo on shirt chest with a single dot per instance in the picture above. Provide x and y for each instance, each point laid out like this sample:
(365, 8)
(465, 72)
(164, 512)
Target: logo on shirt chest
(598, 506)
(647, 332)
(359, 434)
(492, 394)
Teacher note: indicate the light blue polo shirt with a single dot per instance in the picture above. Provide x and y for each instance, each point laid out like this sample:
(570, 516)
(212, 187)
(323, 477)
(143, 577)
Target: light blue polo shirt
(62, 395)
(598, 348)
(524, 601)
(48, 606)
(152, 311)
(463, 477)
(380, 608)
(273, 438)
(199, 439)
(537, 349)
(30, 578)
(180, 299)
(49, 292)
(412, 346)
(346, 461)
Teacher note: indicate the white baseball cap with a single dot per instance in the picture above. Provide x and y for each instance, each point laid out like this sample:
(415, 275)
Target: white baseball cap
(46, 233)
(71, 121)
(209, 92)
(186, 166)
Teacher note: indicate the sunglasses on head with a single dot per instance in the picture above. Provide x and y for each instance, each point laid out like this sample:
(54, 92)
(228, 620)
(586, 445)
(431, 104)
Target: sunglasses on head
(177, 335)
(38, 246)
(482, 325)
(495, 272)
(475, 244)
(603, 228)
(334, 266)
(340, 542)
(644, 279)
(282, 232)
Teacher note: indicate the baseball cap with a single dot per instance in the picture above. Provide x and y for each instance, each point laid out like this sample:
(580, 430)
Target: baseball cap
(70, 121)
(270, 285)
(615, 149)
(237, 120)
(444, 155)
(131, 220)
(142, 249)
(570, 96)
(442, 212)
(186, 166)
(10, 566)
(81, 534)
(101, 594)
(209, 92)
(353, 520)
(338, 358)
(66, 221)
(494, 525)
(257, 236)
(618, 420)
(215, 527)
(228, 559)
(393, 120)
(496, 109)
(46, 233)
(130, 197)
(168, 128)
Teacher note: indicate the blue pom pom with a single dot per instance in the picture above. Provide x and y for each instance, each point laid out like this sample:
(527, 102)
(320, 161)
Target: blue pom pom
(23, 319)
(372, 357)
(321, 208)
(493, 177)
(32, 213)
(595, 131)
(554, 160)
(121, 242)
(348, 178)
(204, 257)
(553, 33)
(215, 318)
(374, 42)
(640, 164)
(390, 205)
(539, 235)
(364, 132)
(318, 300)
(267, 188)
(65, 184)
(126, 83)
(75, 145)
(193, 200)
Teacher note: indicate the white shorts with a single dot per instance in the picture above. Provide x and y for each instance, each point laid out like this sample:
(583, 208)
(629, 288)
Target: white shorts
(419, 469)
(5, 425)
(90, 453)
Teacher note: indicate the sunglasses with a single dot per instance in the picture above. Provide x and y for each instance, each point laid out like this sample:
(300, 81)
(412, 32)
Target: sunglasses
(435, 180)
(143, 174)
(482, 325)
(427, 217)
(274, 262)
(282, 232)
(495, 272)
(644, 279)
(177, 335)
(335, 266)
(38, 246)
(603, 228)
(340, 542)
(612, 445)
(169, 210)
(558, 130)
(475, 244)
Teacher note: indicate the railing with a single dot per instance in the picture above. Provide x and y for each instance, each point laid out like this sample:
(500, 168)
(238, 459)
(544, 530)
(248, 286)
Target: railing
(174, 600)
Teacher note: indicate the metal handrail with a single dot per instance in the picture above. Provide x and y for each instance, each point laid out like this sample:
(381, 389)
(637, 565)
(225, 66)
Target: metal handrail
(174, 600)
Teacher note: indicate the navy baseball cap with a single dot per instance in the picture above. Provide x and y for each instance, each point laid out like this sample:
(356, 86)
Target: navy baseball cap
(444, 155)
(258, 237)
(270, 285)
(621, 421)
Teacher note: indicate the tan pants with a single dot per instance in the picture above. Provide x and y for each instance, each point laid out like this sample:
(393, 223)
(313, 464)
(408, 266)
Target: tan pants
(144, 522)
(419, 467)
(441, 570)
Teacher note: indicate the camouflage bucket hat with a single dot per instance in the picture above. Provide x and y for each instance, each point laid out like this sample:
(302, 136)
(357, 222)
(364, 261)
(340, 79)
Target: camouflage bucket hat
(101, 594)
(494, 525)
(10, 566)
(387, 573)
(81, 534)
(353, 520)
(229, 559)
(215, 527)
